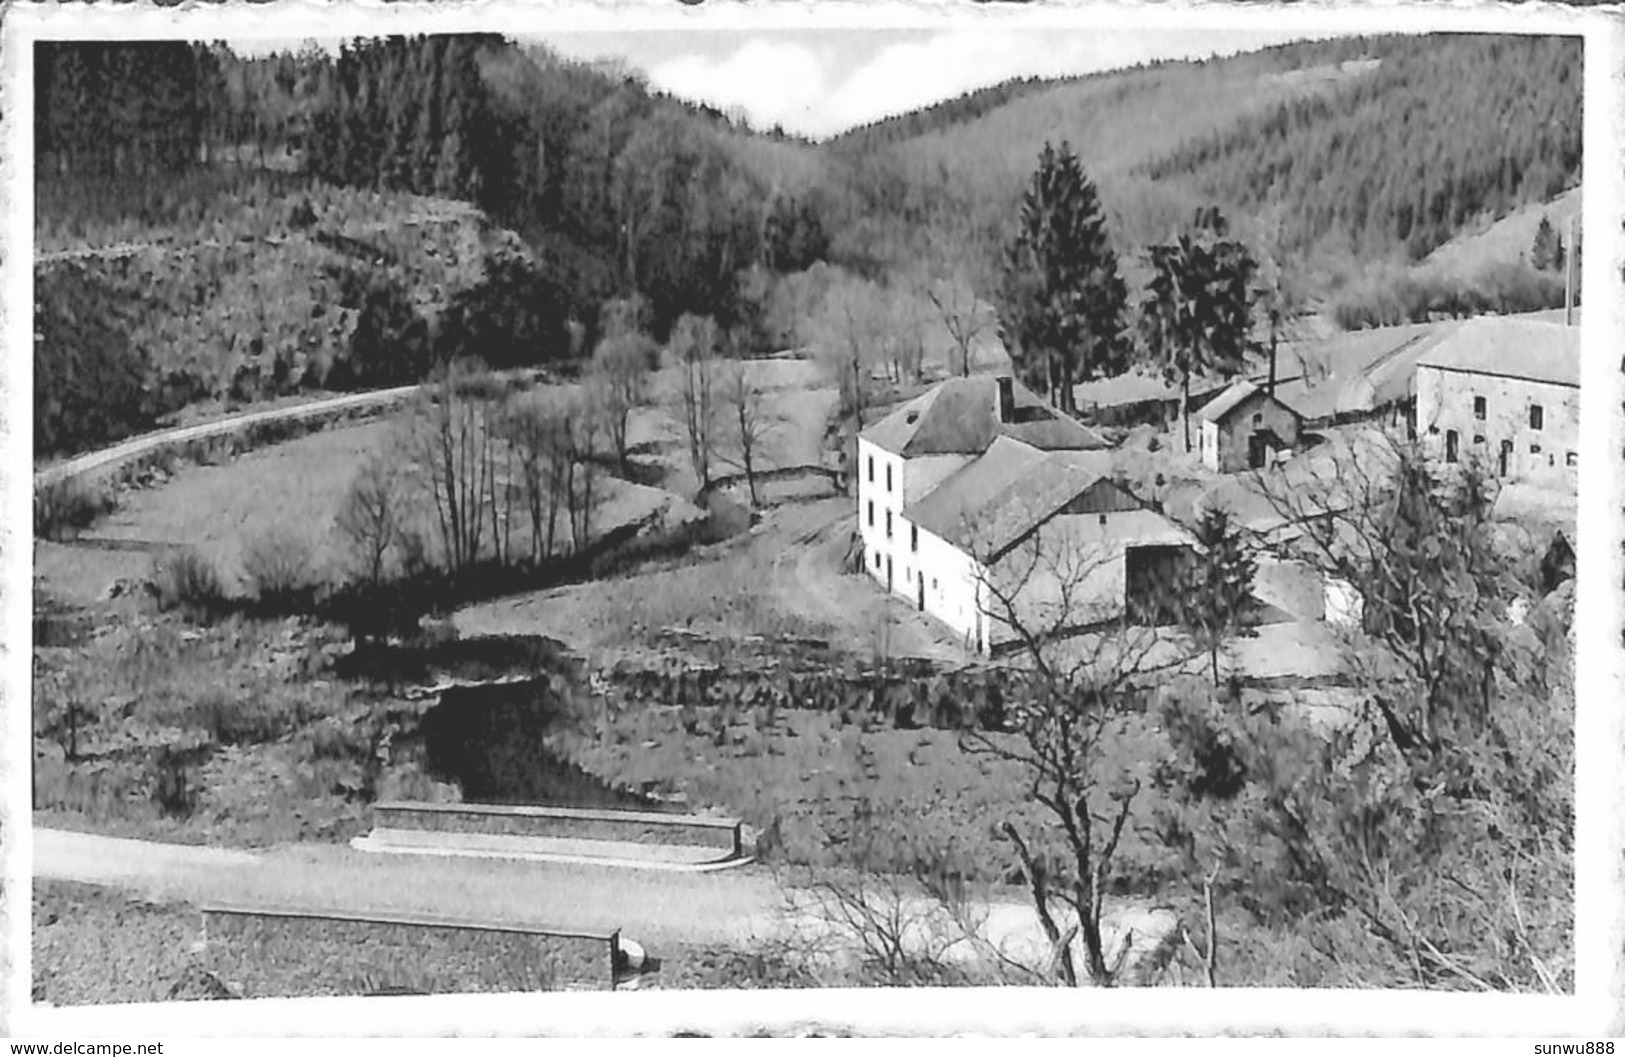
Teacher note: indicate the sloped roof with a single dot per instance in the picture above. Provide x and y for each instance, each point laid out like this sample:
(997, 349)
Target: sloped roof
(1240, 392)
(1215, 410)
(960, 416)
(1006, 493)
(1536, 350)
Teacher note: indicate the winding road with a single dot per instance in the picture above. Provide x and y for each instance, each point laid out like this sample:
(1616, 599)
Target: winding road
(132, 449)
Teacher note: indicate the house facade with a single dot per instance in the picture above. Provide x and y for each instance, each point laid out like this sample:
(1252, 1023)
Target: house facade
(1504, 395)
(977, 503)
(1246, 428)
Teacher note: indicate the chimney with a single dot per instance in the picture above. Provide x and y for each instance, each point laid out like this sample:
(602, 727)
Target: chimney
(1271, 389)
(1007, 399)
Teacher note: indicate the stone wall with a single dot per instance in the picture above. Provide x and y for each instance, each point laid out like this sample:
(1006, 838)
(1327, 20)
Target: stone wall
(532, 821)
(264, 953)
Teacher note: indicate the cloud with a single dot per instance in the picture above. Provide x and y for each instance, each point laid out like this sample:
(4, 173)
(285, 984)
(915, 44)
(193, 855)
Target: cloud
(773, 82)
(824, 83)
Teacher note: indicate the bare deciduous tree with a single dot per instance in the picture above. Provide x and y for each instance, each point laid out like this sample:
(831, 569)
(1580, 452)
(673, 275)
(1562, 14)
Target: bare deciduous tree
(1057, 595)
(694, 353)
(749, 421)
(372, 518)
(451, 440)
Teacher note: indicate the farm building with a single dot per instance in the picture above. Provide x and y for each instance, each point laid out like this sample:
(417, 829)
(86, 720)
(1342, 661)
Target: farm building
(1504, 393)
(1245, 427)
(905, 455)
(977, 503)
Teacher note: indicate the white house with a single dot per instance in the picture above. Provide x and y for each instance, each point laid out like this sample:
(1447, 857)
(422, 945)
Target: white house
(975, 496)
(908, 453)
(1505, 394)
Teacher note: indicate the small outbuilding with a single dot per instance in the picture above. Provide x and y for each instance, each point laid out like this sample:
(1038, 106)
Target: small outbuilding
(1245, 427)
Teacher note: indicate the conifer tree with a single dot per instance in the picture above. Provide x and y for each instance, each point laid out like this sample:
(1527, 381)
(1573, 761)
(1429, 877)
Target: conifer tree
(1195, 316)
(1062, 302)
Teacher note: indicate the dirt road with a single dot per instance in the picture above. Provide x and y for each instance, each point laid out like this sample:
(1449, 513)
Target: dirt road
(135, 447)
(808, 578)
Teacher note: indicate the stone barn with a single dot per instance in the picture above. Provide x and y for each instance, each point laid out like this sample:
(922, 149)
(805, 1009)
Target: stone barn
(1246, 428)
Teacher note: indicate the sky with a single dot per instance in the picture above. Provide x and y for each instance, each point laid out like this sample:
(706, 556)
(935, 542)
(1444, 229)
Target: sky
(819, 82)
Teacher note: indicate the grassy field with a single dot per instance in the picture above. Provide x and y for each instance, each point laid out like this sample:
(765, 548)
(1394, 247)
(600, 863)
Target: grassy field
(785, 577)
(831, 790)
(292, 490)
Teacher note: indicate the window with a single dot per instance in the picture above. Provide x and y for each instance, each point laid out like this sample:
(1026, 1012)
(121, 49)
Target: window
(1571, 459)
(1537, 417)
(871, 513)
(1534, 449)
(1452, 442)
(888, 524)
(888, 477)
(1478, 407)
(914, 538)
(877, 561)
(1103, 519)
(1258, 419)
(871, 469)
(1478, 438)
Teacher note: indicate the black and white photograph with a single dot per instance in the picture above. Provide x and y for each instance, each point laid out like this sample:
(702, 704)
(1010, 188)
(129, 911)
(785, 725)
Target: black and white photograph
(707, 502)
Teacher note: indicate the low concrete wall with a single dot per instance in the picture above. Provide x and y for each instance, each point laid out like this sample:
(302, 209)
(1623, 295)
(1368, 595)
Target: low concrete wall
(291, 953)
(1292, 587)
(578, 824)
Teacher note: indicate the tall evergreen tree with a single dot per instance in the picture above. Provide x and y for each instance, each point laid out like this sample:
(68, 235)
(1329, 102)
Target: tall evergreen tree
(1195, 317)
(1062, 302)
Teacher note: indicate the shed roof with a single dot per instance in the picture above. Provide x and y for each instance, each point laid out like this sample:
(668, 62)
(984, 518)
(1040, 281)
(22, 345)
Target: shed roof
(1533, 349)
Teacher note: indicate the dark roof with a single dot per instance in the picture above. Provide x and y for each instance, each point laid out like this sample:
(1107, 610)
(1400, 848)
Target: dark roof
(960, 416)
(1536, 350)
(1000, 497)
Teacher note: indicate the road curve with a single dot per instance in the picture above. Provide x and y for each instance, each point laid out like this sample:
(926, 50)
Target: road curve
(659, 907)
(129, 450)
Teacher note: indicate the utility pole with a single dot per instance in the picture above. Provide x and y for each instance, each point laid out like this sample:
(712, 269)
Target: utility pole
(1568, 278)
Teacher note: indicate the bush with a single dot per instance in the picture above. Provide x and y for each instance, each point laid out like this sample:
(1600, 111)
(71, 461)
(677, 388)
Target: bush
(244, 717)
(66, 506)
(185, 580)
(279, 567)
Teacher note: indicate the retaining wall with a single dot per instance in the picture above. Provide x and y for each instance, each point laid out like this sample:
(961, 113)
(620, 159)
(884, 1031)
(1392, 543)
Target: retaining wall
(293, 953)
(528, 821)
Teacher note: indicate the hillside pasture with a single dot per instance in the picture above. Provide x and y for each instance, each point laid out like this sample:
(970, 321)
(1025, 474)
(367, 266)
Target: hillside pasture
(291, 492)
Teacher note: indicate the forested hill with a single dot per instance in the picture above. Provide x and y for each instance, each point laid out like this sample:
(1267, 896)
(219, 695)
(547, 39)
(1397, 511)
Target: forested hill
(1444, 131)
(965, 109)
(615, 187)
(215, 228)
(1367, 148)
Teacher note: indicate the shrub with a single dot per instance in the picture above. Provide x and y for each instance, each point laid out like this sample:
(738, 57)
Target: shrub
(174, 783)
(185, 580)
(244, 717)
(279, 567)
(66, 506)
